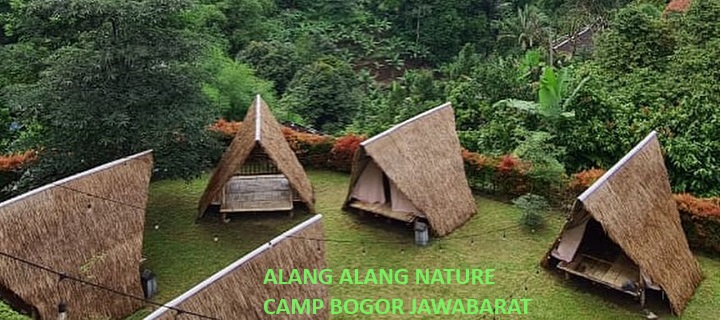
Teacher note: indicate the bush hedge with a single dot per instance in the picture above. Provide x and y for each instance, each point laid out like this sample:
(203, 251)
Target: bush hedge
(504, 176)
(700, 221)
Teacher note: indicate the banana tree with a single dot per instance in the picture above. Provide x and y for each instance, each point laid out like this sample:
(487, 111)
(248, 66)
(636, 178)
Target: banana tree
(554, 96)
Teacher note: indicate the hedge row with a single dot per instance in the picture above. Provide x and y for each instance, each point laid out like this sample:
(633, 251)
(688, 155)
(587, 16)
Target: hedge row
(504, 176)
(699, 217)
(700, 221)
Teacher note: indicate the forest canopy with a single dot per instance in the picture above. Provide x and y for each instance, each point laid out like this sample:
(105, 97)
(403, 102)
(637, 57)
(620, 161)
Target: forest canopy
(88, 81)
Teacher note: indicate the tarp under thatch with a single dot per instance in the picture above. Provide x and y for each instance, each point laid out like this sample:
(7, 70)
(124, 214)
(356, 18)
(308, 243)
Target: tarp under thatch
(238, 292)
(421, 158)
(89, 226)
(259, 129)
(633, 203)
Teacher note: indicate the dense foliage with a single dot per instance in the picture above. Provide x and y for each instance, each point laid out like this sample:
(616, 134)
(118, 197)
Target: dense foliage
(88, 81)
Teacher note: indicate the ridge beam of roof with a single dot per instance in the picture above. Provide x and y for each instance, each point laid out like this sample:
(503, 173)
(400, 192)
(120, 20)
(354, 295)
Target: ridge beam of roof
(257, 117)
(617, 166)
(387, 132)
(227, 270)
(75, 176)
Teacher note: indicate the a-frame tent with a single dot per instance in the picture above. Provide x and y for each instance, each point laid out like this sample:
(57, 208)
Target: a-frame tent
(88, 226)
(238, 291)
(625, 231)
(256, 157)
(412, 171)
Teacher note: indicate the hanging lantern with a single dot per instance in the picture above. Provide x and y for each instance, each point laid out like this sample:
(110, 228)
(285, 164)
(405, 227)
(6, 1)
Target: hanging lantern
(62, 311)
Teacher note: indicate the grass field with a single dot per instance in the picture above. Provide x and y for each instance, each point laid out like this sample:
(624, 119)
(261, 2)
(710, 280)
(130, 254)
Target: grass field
(182, 254)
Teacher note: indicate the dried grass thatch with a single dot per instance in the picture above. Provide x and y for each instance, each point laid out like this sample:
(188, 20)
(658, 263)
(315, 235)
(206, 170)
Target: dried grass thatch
(259, 128)
(238, 292)
(97, 238)
(422, 156)
(633, 203)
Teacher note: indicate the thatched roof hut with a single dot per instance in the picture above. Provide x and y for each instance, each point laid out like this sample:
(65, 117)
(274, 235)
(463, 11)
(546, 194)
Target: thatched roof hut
(677, 6)
(413, 171)
(238, 292)
(625, 231)
(259, 142)
(89, 226)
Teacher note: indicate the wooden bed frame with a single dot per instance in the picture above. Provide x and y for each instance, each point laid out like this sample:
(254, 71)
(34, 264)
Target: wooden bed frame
(383, 209)
(611, 274)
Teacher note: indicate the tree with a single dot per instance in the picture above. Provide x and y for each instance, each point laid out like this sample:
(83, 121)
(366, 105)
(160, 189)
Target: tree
(529, 27)
(666, 80)
(554, 96)
(325, 94)
(273, 60)
(233, 86)
(637, 39)
(245, 20)
(121, 77)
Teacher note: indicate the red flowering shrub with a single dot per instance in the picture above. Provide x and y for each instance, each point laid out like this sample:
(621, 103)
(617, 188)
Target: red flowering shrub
(17, 161)
(341, 156)
(512, 176)
(582, 180)
(700, 221)
(226, 128)
(312, 149)
(480, 169)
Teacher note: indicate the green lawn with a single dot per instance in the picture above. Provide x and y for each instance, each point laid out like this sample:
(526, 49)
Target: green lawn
(182, 254)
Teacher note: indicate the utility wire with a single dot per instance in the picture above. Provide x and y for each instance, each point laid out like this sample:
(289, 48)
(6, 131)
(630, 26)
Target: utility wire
(181, 311)
(64, 276)
(101, 197)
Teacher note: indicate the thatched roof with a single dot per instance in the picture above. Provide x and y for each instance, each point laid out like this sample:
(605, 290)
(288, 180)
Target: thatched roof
(89, 226)
(633, 203)
(422, 156)
(238, 292)
(259, 128)
(583, 40)
(677, 6)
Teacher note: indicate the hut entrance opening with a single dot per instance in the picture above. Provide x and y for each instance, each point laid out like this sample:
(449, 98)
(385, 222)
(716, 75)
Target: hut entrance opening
(258, 163)
(599, 259)
(376, 193)
(17, 303)
(258, 186)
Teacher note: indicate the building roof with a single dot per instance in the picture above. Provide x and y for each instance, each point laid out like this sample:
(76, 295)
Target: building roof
(238, 292)
(259, 128)
(89, 226)
(677, 6)
(422, 156)
(633, 203)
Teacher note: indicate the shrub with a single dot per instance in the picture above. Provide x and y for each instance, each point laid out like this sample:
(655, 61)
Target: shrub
(341, 156)
(700, 221)
(511, 176)
(16, 161)
(226, 128)
(580, 181)
(311, 149)
(533, 208)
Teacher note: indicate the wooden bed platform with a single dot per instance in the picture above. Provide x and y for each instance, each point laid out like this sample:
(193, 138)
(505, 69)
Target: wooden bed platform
(383, 209)
(612, 274)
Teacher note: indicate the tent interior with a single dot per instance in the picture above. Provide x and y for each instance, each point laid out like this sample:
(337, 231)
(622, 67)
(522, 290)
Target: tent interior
(585, 250)
(257, 186)
(374, 192)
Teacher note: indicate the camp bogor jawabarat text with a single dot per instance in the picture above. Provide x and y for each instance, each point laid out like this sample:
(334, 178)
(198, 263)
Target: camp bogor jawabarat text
(393, 305)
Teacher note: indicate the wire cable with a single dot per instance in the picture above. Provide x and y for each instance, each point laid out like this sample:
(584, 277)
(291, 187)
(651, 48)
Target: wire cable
(63, 276)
